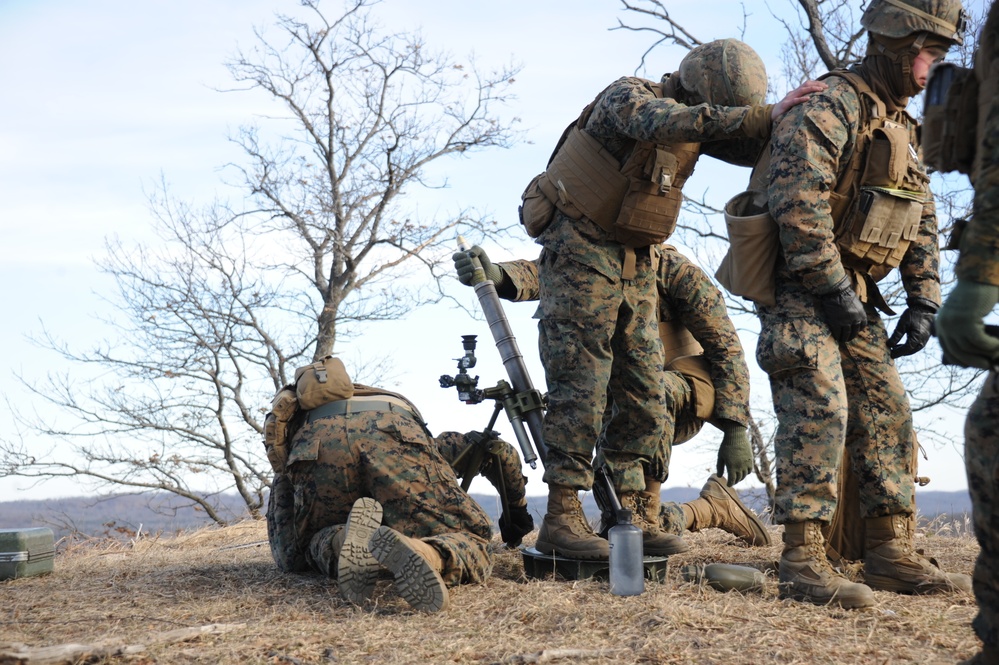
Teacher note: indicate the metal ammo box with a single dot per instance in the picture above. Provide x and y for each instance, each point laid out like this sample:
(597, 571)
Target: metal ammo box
(26, 552)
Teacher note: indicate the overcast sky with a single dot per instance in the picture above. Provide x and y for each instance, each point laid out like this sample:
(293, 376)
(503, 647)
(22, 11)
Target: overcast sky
(101, 99)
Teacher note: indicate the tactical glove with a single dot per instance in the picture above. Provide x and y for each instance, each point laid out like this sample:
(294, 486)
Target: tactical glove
(514, 524)
(843, 311)
(915, 324)
(735, 454)
(960, 328)
(464, 266)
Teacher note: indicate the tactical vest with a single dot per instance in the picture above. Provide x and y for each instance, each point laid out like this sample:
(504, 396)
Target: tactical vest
(637, 201)
(877, 203)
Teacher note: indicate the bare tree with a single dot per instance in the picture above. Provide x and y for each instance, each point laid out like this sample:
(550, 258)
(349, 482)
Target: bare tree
(823, 35)
(213, 318)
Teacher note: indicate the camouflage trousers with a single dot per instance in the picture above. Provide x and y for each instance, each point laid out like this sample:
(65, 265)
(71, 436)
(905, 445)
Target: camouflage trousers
(826, 396)
(387, 456)
(599, 343)
(981, 457)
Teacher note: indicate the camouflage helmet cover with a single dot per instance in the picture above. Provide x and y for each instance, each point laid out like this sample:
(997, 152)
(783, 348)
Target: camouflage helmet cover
(901, 18)
(725, 72)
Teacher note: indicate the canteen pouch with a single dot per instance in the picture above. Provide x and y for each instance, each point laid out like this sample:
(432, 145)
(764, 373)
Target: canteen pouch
(283, 407)
(536, 209)
(748, 268)
(322, 382)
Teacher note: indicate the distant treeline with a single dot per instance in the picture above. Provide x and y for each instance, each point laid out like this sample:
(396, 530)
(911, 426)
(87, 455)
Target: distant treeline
(124, 515)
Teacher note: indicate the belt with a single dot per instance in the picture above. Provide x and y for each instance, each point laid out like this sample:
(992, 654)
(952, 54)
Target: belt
(358, 405)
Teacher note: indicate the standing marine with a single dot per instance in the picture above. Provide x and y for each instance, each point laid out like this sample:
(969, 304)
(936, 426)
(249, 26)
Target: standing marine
(852, 203)
(610, 194)
(966, 341)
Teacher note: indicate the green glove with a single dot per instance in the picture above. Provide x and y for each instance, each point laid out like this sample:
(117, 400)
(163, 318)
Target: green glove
(961, 329)
(464, 265)
(735, 454)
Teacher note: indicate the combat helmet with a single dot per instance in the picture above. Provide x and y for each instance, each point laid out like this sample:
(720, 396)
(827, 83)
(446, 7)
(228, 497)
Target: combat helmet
(900, 18)
(725, 72)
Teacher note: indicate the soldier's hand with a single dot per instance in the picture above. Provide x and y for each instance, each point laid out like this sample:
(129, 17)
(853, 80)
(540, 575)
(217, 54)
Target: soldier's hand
(735, 455)
(843, 312)
(514, 524)
(915, 325)
(961, 329)
(465, 267)
(795, 97)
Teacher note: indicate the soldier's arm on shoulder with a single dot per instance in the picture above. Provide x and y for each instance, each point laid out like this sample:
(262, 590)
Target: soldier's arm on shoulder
(628, 108)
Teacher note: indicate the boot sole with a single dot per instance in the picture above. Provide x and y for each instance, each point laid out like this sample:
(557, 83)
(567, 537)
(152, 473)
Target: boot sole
(551, 550)
(420, 585)
(761, 537)
(840, 601)
(883, 583)
(357, 569)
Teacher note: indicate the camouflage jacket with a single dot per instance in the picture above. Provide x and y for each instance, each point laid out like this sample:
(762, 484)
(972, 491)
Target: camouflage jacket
(979, 260)
(626, 112)
(502, 469)
(812, 146)
(686, 295)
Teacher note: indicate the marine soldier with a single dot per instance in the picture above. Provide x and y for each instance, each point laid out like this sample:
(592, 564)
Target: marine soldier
(366, 484)
(965, 341)
(852, 202)
(706, 379)
(612, 191)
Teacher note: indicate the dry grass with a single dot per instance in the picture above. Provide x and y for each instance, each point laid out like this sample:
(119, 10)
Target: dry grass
(125, 593)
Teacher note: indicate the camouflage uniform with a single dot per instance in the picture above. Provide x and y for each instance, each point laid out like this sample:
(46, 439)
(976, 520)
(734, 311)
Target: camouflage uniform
(686, 295)
(389, 456)
(826, 394)
(979, 263)
(598, 332)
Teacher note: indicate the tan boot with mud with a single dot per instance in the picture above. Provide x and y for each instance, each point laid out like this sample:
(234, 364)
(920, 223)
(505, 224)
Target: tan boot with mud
(357, 569)
(806, 575)
(417, 568)
(719, 507)
(565, 531)
(891, 562)
(644, 507)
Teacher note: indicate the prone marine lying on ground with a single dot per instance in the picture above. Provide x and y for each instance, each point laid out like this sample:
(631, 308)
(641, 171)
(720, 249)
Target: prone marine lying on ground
(365, 485)
(706, 376)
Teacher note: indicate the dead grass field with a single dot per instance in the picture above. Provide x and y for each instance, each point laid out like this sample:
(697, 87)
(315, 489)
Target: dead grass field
(130, 603)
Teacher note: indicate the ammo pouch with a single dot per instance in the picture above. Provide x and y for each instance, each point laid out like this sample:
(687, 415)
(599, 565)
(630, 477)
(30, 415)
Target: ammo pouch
(950, 118)
(283, 407)
(322, 382)
(536, 208)
(749, 266)
(884, 218)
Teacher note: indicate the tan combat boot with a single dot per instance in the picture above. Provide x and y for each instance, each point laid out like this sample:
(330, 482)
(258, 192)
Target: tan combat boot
(357, 569)
(806, 574)
(644, 507)
(417, 568)
(719, 507)
(565, 531)
(891, 562)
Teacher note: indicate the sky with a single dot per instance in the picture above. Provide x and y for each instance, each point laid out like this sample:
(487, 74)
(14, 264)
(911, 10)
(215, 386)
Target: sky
(101, 100)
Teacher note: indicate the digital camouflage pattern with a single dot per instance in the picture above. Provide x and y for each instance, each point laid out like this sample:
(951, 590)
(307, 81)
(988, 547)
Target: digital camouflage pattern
(599, 343)
(828, 395)
(979, 262)
(390, 457)
(900, 18)
(685, 294)
(981, 458)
